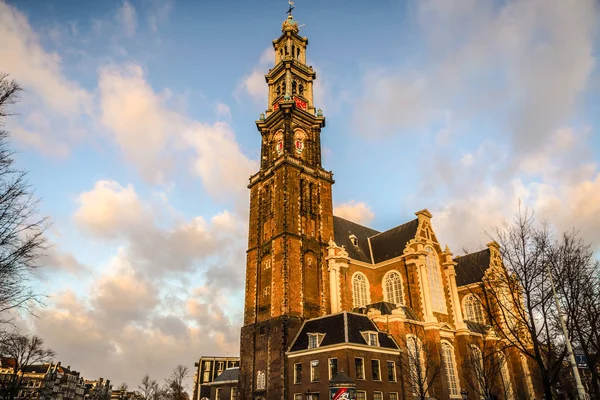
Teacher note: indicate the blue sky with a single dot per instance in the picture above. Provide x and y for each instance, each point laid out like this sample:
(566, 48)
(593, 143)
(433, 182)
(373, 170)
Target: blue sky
(137, 127)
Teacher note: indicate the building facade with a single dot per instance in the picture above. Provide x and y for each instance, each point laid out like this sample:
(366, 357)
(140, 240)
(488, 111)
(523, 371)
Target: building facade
(392, 309)
(208, 369)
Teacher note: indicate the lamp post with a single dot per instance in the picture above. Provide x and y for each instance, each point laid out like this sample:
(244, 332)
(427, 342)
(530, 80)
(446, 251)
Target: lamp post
(464, 394)
(580, 389)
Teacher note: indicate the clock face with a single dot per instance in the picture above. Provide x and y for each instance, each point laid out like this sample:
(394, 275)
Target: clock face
(299, 144)
(279, 147)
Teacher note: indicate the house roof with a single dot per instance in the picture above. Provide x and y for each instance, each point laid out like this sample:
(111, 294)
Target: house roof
(470, 268)
(344, 327)
(383, 245)
(227, 376)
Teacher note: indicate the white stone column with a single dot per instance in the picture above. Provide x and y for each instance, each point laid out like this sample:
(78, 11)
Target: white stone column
(337, 258)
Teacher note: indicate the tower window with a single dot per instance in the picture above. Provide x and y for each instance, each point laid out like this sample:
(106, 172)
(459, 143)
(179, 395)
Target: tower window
(298, 53)
(301, 89)
(294, 85)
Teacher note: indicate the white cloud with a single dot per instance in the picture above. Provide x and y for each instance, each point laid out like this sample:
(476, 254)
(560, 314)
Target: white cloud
(52, 100)
(355, 211)
(254, 84)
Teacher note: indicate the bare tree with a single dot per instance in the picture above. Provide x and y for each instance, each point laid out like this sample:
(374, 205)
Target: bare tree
(148, 388)
(22, 351)
(175, 384)
(578, 272)
(422, 365)
(488, 368)
(518, 296)
(22, 238)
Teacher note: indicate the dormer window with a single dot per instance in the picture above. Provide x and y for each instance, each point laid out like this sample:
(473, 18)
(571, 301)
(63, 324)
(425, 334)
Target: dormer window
(371, 337)
(314, 340)
(354, 240)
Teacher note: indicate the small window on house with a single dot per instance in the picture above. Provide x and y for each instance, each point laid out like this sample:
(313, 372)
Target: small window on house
(354, 240)
(333, 368)
(220, 367)
(376, 370)
(234, 393)
(218, 394)
(393, 396)
(314, 371)
(314, 340)
(372, 338)
(361, 395)
(298, 373)
(359, 365)
(391, 370)
(298, 396)
(377, 396)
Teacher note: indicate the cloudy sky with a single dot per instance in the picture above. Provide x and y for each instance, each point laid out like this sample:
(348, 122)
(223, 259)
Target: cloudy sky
(137, 127)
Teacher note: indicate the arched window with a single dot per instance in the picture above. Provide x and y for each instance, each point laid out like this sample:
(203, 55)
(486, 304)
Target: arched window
(392, 282)
(294, 85)
(360, 290)
(450, 366)
(301, 89)
(434, 278)
(476, 365)
(416, 364)
(472, 307)
(506, 383)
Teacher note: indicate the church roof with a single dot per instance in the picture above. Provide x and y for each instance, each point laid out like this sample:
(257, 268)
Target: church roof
(470, 268)
(340, 328)
(383, 245)
(391, 243)
(342, 229)
(227, 376)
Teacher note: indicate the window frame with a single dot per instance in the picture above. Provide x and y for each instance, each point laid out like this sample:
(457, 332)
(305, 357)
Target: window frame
(384, 285)
(379, 393)
(469, 302)
(434, 275)
(394, 394)
(318, 337)
(329, 360)
(218, 394)
(393, 363)
(362, 368)
(297, 375)
(451, 373)
(363, 392)
(233, 390)
(314, 366)
(373, 361)
(357, 302)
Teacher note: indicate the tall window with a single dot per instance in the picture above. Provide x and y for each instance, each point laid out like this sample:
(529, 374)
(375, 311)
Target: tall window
(477, 366)
(361, 395)
(416, 361)
(298, 373)
(314, 371)
(507, 385)
(472, 308)
(393, 288)
(261, 380)
(360, 290)
(434, 278)
(359, 364)
(391, 370)
(450, 366)
(376, 370)
(234, 393)
(393, 396)
(333, 368)
(218, 394)
(206, 372)
(377, 396)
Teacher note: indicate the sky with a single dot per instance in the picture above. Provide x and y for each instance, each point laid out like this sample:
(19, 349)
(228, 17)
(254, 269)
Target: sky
(137, 128)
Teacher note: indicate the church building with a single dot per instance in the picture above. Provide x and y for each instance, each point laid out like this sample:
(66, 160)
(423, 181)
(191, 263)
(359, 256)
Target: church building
(394, 311)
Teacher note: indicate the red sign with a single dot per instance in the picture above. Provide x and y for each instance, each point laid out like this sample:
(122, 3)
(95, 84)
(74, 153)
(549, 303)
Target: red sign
(299, 103)
(275, 106)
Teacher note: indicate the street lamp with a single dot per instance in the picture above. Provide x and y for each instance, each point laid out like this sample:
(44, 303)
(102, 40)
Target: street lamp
(464, 394)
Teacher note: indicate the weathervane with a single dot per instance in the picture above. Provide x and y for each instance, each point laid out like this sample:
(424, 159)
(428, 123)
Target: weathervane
(291, 3)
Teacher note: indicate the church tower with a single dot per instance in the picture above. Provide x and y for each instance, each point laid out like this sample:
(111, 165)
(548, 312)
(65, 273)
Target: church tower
(291, 222)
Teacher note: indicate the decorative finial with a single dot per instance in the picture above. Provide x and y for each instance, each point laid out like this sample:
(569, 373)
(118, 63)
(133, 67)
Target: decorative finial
(262, 116)
(287, 96)
(291, 3)
(319, 113)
